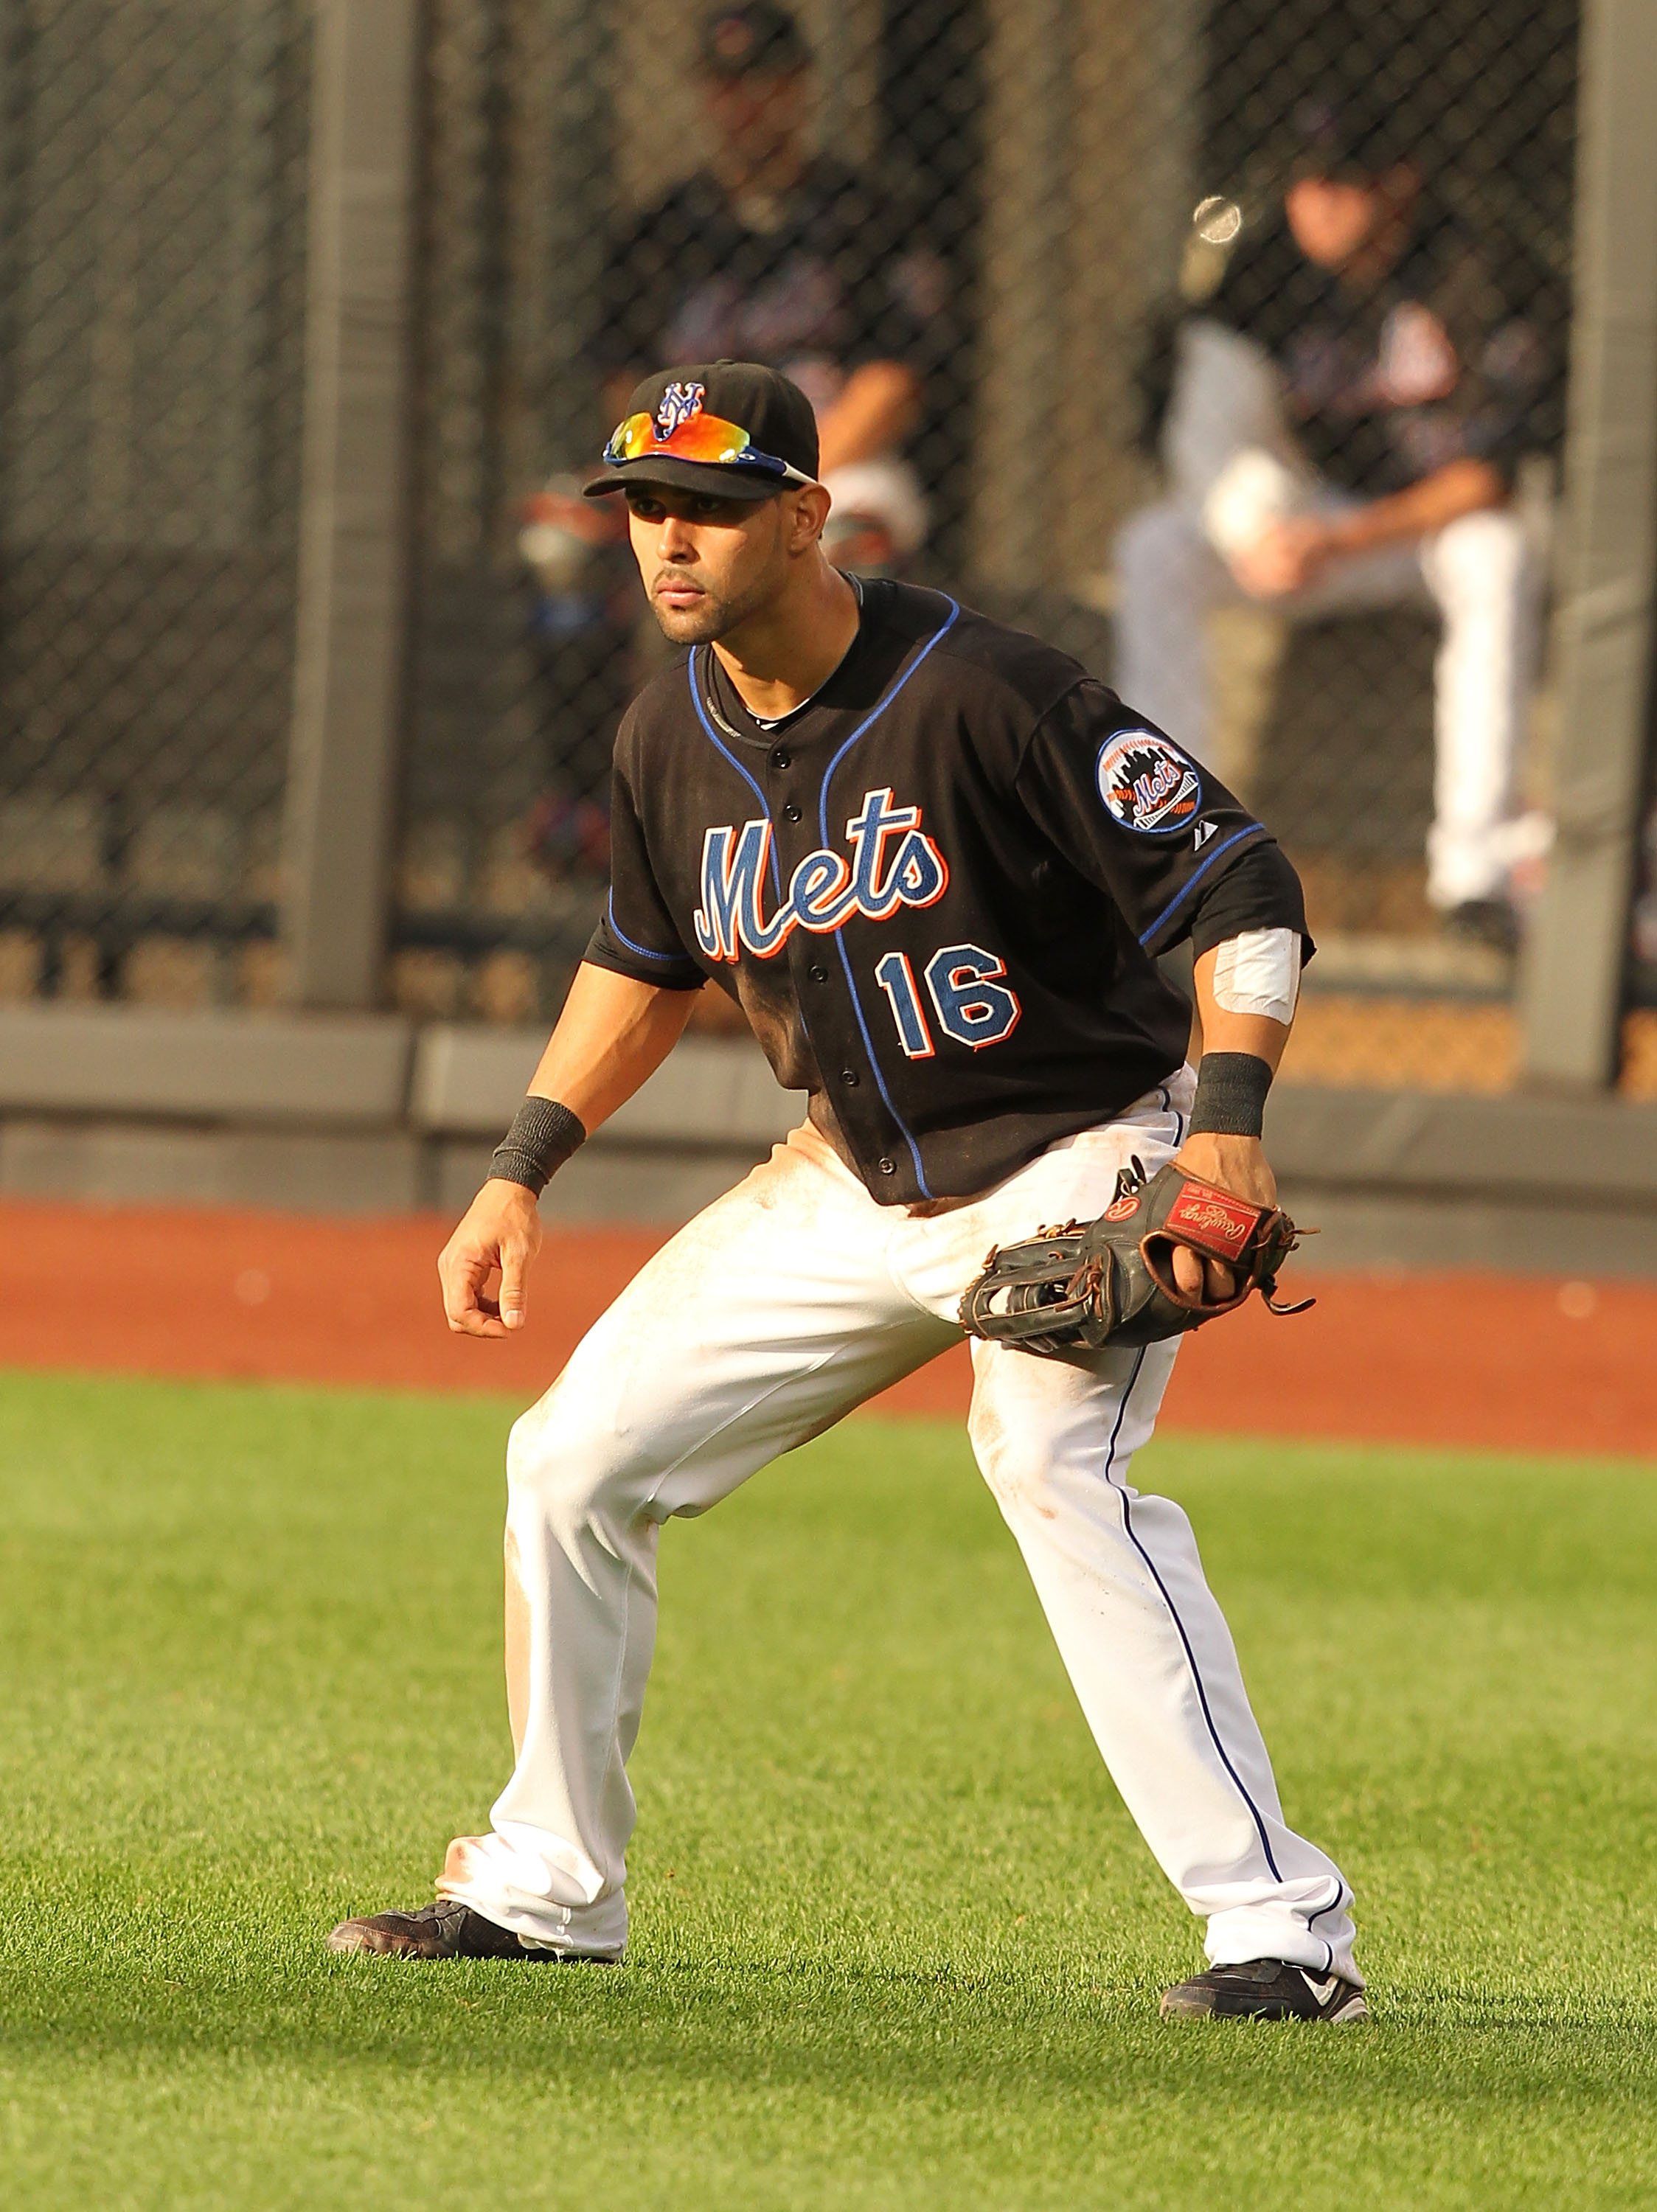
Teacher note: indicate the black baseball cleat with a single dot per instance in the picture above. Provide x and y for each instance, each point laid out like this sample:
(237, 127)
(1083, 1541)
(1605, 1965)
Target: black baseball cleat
(1265, 1988)
(446, 1930)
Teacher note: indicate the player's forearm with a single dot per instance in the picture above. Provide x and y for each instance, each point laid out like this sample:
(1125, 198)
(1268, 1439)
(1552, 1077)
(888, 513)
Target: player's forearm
(1219, 1147)
(876, 411)
(612, 1034)
(1227, 1028)
(1459, 488)
(612, 1037)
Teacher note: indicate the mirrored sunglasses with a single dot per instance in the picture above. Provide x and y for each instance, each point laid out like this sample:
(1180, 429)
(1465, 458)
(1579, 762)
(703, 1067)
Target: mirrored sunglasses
(704, 438)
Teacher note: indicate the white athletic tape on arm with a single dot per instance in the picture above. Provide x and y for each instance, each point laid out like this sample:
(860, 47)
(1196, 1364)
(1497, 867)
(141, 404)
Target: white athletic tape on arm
(1259, 973)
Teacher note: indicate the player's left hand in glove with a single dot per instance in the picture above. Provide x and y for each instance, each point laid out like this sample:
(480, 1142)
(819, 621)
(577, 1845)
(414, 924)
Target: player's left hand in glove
(1113, 1281)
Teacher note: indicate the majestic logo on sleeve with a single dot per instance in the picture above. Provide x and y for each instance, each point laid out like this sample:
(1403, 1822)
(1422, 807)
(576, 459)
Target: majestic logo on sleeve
(1149, 785)
(892, 865)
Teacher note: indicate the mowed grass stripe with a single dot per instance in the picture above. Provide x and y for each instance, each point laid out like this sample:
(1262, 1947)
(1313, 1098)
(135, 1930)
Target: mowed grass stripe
(895, 1942)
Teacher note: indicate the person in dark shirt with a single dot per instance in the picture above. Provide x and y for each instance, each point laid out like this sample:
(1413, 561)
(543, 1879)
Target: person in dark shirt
(937, 860)
(1348, 411)
(775, 254)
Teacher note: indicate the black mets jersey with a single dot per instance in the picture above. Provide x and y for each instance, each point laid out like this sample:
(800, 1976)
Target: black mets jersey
(937, 889)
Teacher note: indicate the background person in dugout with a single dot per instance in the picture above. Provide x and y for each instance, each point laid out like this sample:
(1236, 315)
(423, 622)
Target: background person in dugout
(767, 252)
(774, 253)
(1345, 416)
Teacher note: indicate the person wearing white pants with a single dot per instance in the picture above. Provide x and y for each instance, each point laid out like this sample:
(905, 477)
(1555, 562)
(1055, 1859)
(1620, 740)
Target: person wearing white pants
(965, 859)
(807, 1298)
(1480, 575)
(1348, 404)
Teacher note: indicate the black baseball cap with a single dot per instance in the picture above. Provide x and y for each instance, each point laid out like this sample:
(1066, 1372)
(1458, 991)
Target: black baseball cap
(729, 428)
(1355, 136)
(755, 36)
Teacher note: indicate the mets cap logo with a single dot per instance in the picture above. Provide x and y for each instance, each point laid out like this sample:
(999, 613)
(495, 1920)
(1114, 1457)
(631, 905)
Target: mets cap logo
(677, 403)
(1147, 783)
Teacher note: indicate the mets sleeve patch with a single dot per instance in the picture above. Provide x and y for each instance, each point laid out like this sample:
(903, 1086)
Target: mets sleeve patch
(1147, 783)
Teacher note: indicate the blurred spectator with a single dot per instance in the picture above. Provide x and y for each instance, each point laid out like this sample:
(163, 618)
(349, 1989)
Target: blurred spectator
(777, 254)
(769, 253)
(1346, 413)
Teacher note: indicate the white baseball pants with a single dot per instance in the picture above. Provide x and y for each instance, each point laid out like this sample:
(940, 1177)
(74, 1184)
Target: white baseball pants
(786, 1303)
(1479, 573)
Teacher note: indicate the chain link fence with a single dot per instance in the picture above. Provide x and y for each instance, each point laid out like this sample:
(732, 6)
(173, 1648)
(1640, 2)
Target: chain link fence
(153, 226)
(1065, 280)
(1067, 233)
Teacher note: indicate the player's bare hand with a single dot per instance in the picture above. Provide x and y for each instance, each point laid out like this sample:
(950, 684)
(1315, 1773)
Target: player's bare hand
(1288, 555)
(500, 1236)
(1239, 1165)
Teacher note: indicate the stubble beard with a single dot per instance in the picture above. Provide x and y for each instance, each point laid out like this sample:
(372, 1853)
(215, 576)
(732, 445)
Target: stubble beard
(697, 625)
(712, 617)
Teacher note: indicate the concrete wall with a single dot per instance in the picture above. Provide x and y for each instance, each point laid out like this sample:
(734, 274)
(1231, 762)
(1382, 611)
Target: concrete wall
(372, 1113)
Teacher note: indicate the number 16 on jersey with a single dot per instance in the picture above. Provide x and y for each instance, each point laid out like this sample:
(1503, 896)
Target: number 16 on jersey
(972, 1006)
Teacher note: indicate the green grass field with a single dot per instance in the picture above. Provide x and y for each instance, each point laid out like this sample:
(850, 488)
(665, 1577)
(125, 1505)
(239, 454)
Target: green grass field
(895, 1942)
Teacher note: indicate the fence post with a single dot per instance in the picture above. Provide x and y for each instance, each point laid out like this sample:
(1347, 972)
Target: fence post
(1572, 986)
(1027, 211)
(353, 564)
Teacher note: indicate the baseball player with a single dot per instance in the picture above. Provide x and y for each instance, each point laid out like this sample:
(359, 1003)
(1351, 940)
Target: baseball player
(934, 861)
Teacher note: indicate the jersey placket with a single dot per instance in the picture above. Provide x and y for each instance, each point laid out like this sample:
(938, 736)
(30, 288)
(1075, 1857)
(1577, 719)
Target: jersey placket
(824, 986)
(893, 1127)
(831, 1017)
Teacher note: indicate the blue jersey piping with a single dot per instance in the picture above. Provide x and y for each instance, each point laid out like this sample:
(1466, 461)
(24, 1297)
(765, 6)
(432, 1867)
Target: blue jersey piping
(715, 740)
(875, 714)
(616, 931)
(1186, 888)
(839, 938)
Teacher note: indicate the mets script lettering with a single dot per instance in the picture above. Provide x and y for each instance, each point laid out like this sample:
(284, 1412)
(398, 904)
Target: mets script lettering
(893, 864)
(1151, 790)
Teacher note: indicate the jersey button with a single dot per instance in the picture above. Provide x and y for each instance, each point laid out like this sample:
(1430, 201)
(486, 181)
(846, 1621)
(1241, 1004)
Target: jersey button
(781, 756)
(817, 973)
(849, 1077)
(790, 812)
(888, 1167)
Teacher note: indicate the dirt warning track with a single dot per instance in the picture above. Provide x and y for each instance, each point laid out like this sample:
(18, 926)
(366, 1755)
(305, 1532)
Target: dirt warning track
(1450, 1359)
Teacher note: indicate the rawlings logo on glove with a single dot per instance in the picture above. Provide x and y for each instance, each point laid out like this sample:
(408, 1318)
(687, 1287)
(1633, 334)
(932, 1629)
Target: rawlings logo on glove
(1111, 1281)
(1212, 1220)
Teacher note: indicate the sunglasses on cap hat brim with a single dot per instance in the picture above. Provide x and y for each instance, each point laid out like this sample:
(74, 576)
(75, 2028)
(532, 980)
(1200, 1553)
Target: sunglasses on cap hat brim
(705, 440)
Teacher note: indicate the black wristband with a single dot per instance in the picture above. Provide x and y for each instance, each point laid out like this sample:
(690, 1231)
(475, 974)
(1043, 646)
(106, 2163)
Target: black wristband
(542, 1137)
(1231, 1095)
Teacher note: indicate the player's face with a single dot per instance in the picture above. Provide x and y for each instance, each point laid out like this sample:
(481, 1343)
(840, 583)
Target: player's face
(707, 563)
(1334, 218)
(759, 116)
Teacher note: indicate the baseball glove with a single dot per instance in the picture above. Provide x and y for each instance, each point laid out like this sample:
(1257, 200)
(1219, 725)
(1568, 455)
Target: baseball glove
(1111, 1281)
